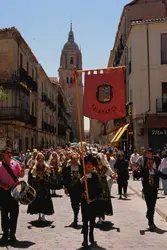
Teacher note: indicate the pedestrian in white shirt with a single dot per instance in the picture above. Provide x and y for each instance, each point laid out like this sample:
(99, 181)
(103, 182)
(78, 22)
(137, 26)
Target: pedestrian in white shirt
(133, 162)
(111, 157)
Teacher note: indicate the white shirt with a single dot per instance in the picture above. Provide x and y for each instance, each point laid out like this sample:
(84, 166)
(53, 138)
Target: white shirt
(134, 158)
(163, 164)
(89, 175)
(74, 168)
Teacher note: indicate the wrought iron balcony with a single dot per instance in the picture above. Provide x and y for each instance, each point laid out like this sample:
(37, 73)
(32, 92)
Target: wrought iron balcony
(44, 97)
(161, 105)
(32, 121)
(61, 130)
(14, 114)
(44, 126)
(22, 76)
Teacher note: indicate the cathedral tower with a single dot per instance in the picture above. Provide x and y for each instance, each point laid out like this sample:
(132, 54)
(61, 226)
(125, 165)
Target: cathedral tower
(71, 57)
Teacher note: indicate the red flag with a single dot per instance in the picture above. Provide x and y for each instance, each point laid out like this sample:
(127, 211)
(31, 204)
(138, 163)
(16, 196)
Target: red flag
(104, 95)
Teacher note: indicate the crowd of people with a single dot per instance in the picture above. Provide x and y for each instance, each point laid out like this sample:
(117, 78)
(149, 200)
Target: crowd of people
(86, 178)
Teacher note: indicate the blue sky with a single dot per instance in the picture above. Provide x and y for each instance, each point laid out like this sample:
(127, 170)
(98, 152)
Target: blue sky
(45, 26)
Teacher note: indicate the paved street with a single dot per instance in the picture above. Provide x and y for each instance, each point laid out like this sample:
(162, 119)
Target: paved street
(161, 205)
(129, 230)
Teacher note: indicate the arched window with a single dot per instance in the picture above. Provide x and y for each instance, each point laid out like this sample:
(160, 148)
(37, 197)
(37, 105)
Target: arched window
(71, 80)
(67, 80)
(71, 60)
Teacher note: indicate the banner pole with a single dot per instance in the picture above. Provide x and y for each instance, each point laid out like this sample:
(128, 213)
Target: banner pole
(80, 129)
(109, 68)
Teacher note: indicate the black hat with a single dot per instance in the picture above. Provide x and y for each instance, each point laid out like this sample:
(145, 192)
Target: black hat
(90, 158)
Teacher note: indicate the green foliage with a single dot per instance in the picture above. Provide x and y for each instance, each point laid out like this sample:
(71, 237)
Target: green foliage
(3, 94)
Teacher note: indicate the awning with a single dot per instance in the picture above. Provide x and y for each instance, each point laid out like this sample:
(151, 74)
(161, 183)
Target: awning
(123, 129)
(115, 136)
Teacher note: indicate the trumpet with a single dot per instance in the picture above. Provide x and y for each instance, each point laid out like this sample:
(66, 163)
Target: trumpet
(21, 163)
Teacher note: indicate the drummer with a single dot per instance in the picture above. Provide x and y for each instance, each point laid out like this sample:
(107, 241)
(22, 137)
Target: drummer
(10, 171)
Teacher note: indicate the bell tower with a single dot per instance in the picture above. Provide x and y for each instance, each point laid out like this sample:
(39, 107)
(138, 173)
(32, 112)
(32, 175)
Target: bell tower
(71, 57)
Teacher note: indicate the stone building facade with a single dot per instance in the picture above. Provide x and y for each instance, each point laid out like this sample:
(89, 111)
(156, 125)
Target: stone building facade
(121, 54)
(71, 57)
(28, 118)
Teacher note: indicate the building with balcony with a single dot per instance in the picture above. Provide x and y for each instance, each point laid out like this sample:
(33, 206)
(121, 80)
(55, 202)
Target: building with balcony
(119, 55)
(141, 65)
(64, 127)
(28, 115)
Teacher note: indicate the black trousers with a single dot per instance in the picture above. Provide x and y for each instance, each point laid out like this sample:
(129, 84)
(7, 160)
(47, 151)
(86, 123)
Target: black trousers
(9, 213)
(91, 223)
(150, 199)
(122, 184)
(75, 204)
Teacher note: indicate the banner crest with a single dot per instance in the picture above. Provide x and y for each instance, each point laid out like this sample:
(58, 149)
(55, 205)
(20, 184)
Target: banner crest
(104, 95)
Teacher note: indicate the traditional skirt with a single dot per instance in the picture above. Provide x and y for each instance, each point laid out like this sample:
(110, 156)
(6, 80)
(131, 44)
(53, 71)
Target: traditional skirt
(43, 202)
(106, 205)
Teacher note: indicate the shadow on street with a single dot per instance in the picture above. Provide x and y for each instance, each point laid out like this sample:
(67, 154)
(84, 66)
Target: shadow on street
(107, 226)
(41, 224)
(157, 230)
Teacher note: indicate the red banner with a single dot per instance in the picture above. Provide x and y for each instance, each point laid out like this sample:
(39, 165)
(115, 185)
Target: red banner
(104, 95)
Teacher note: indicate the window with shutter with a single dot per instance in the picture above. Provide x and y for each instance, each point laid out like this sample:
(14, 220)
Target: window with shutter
(164, 48)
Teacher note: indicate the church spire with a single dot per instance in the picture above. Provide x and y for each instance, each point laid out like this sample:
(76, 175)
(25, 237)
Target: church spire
(71, 34)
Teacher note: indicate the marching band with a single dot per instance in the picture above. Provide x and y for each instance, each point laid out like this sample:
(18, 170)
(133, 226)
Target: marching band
(84, 179)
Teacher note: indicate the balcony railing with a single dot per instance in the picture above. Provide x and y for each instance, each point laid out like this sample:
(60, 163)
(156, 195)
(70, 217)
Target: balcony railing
(48, 128)
(22, 76)
(61, 130)
(161, 105)
(32, 121)
(44, 97)
(44, 126)
(14, 114)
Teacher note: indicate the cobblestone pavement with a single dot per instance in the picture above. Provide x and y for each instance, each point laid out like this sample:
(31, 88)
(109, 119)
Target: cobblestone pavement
(161, 206)
(128, 232)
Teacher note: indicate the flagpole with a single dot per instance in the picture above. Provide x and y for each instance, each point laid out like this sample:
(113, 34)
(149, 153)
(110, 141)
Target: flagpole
(80, 129)
(109, 68)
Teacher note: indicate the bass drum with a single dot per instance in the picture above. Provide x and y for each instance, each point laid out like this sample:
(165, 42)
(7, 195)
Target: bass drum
(23, 193)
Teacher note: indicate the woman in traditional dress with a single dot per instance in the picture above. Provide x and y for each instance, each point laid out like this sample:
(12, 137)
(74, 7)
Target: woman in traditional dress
(103, 170)
(42, 204)
(56, 169)
(30, 164)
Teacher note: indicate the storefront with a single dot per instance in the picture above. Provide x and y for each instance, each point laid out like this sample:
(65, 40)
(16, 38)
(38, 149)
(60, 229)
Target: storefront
(157, 132)
(157, 138)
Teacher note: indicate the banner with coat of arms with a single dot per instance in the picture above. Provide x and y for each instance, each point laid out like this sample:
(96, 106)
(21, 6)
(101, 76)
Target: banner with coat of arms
(104, 95)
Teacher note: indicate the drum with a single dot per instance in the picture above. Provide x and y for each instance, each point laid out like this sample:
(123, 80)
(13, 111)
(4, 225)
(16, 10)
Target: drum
(23, 193)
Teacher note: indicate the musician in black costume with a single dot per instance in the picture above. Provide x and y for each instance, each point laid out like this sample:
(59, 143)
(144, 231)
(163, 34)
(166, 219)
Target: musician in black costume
(150, 181)
(71, 178)
(90, 208)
